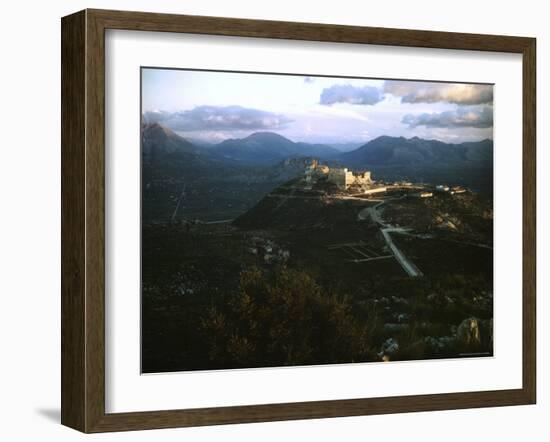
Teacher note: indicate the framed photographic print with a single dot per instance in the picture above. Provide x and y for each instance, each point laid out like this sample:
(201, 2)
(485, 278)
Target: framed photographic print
(270, 220)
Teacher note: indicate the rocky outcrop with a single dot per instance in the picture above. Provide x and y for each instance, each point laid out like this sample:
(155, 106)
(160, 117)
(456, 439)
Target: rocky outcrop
(468, 333)
(389, 348)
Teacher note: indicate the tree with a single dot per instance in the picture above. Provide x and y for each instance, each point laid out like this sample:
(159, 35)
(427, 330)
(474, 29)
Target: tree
(283, 318)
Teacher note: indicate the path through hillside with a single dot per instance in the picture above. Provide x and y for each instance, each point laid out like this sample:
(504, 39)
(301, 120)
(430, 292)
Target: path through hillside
(374, 213)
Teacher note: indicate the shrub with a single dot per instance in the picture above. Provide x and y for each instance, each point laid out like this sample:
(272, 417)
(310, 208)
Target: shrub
(283, 318)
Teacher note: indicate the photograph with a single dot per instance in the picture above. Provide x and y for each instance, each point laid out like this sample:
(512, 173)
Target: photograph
(305, 220)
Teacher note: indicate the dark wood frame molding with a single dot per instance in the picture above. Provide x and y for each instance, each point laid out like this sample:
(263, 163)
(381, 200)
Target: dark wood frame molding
(83, 216)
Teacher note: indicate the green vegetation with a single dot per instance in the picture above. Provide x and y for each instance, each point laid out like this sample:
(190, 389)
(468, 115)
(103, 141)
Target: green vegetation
(212, 300)
(283, 318)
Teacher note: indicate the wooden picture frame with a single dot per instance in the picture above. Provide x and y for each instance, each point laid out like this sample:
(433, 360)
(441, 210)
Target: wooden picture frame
(83, 220)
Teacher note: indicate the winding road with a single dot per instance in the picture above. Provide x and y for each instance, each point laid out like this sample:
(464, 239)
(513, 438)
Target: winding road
(406, 263)
(369, 212)
(410, 268)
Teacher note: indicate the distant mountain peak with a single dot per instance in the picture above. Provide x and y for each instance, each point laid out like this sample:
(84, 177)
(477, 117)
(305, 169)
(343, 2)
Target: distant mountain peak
(155, 126)
(157, 129)
(265, 147)
(469, 163)
(158, 139)
(267, 134)
(394, 147)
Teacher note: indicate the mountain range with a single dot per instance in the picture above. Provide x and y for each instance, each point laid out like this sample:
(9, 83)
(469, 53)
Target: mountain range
(400, 151)
(431, 161)
(263, 156)
(215, 186)
(269, 148)
(262, 148)
(236, 173)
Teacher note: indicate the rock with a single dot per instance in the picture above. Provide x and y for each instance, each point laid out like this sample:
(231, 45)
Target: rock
(393, 327)
(389, 347)
(398, 300)
(402, 317)
(468, 332)
(432, 296)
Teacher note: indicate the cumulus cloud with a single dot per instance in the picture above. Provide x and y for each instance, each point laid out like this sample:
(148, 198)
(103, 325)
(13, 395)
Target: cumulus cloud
(214, 118)
(155, 116)
(346, 93)
(418, 92)
(464, 116)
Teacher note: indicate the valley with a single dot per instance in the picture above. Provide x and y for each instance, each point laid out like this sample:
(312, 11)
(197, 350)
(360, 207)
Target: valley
(225, 180)
(370, 271)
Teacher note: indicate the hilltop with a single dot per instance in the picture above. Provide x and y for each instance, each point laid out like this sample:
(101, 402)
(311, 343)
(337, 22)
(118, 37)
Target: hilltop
(320, 200)
(264, 148)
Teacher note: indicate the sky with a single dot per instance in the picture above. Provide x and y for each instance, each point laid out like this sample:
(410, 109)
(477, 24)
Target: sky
(214, 106)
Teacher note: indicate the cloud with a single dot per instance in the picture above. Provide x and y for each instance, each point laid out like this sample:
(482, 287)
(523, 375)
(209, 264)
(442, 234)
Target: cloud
(214, 118)
(418, 92)
(464, 116)
(346, 93)
(155, 116)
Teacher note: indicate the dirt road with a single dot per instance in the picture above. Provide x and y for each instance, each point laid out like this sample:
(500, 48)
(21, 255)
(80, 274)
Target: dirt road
(386, 229)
